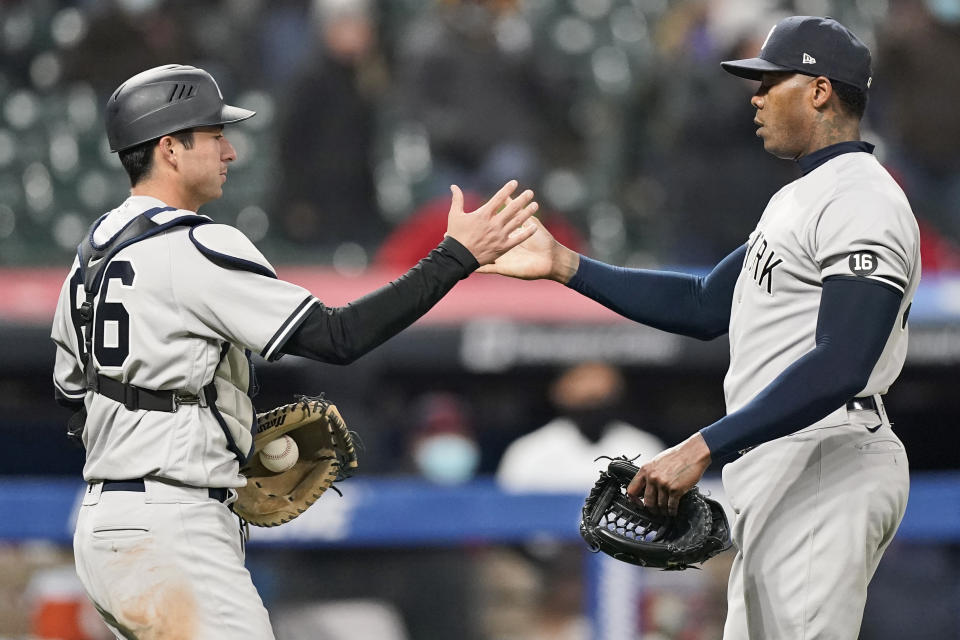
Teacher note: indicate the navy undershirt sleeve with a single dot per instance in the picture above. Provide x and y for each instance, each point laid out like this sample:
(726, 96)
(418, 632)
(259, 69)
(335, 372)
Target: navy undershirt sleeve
(854, 323)
(695, 306)
(340, 335)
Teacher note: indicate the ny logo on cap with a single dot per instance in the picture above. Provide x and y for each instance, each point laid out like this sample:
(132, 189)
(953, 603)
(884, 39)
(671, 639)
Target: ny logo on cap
(809, 59)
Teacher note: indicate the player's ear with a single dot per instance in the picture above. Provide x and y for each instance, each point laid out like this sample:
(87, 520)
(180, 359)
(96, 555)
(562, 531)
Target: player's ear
(821, 90)
(166, 150)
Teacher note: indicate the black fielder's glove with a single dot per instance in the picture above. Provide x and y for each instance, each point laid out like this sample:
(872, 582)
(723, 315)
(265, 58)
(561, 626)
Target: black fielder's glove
(626, 530)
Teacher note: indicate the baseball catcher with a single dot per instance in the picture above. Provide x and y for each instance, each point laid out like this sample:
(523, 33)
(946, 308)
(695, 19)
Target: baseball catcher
(156, 322)
(326, 455)
(626, 530)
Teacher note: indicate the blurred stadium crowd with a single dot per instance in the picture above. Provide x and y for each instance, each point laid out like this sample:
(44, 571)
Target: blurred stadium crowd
(615, 111)
(642, 152)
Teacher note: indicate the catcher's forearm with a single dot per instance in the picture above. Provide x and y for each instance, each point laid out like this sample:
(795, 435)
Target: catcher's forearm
(674, 302)
(340, 335)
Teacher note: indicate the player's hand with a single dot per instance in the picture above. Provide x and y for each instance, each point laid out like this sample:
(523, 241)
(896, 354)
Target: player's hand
(539, 256)
(661, 482)
(496, 227)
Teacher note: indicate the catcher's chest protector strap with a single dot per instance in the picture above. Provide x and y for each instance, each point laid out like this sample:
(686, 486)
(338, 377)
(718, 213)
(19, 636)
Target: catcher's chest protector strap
(93, 260)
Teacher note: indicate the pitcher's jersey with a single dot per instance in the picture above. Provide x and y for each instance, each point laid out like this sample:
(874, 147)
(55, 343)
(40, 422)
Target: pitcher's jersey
(846, 218)
(173, 311)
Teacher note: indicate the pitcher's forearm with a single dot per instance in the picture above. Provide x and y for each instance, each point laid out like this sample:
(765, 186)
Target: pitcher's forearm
(565, 264)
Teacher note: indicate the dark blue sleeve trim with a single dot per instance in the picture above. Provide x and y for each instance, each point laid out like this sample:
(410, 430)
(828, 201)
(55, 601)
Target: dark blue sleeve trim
(696, 306)
(72, 401)
(94, 227)
(149, 214)
(140, 228)
(231, 262)
(854, 324)
(152, 213)
(897, 291)
(78, 395)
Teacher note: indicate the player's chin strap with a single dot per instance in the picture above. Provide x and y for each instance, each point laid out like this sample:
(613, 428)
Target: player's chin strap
(93, 260)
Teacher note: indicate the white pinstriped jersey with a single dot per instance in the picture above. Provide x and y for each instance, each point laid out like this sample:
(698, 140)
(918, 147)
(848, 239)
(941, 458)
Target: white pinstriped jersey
(174, 312)
(846, 218)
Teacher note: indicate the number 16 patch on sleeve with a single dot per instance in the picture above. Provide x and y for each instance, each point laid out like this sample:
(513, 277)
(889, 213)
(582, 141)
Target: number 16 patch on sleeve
(879, 265)
(863, 263)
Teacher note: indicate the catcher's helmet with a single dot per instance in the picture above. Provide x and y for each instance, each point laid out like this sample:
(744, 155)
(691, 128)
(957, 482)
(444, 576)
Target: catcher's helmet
(165, 100)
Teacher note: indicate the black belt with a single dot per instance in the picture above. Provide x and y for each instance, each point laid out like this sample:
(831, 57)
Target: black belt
(219, 495)
(867, 403)
(135, 398)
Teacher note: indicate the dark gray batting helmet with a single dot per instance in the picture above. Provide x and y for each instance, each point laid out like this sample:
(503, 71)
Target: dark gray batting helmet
(164, 100)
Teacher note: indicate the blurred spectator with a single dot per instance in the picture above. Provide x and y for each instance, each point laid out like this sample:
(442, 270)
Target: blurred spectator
(561, 455)
(325, 188)
(287, 38)
(937, 252)
(508, 588)
(474, 92)
(342, 619)
(125, 37)
(412, 239)
(560, 613)
(915, 593)
(695, 140)
(442, 445)
(917, 88)
(60, 610)
(524, 598)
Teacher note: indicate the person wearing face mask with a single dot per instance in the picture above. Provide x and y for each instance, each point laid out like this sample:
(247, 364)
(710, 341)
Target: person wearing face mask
(443, 449)
(587, 398)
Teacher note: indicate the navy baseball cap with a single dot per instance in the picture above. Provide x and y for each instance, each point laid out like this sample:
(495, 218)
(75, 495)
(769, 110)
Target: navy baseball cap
(812, 46)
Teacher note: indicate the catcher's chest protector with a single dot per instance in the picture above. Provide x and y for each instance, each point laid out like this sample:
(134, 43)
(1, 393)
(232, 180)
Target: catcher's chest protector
(94, 260)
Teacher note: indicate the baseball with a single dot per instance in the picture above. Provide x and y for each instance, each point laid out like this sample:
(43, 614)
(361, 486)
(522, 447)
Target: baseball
(280, 454)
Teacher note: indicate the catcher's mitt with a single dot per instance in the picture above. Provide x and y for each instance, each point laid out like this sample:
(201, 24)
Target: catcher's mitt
(326, 454)
(611, 522)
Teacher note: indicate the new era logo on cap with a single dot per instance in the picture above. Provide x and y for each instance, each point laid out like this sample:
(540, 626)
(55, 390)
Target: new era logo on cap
(841, 55)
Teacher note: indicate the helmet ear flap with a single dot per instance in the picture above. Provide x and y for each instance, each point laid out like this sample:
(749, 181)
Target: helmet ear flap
(164, 100)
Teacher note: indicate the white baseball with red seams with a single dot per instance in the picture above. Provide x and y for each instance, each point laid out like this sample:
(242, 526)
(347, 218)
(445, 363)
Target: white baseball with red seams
(280, 454)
